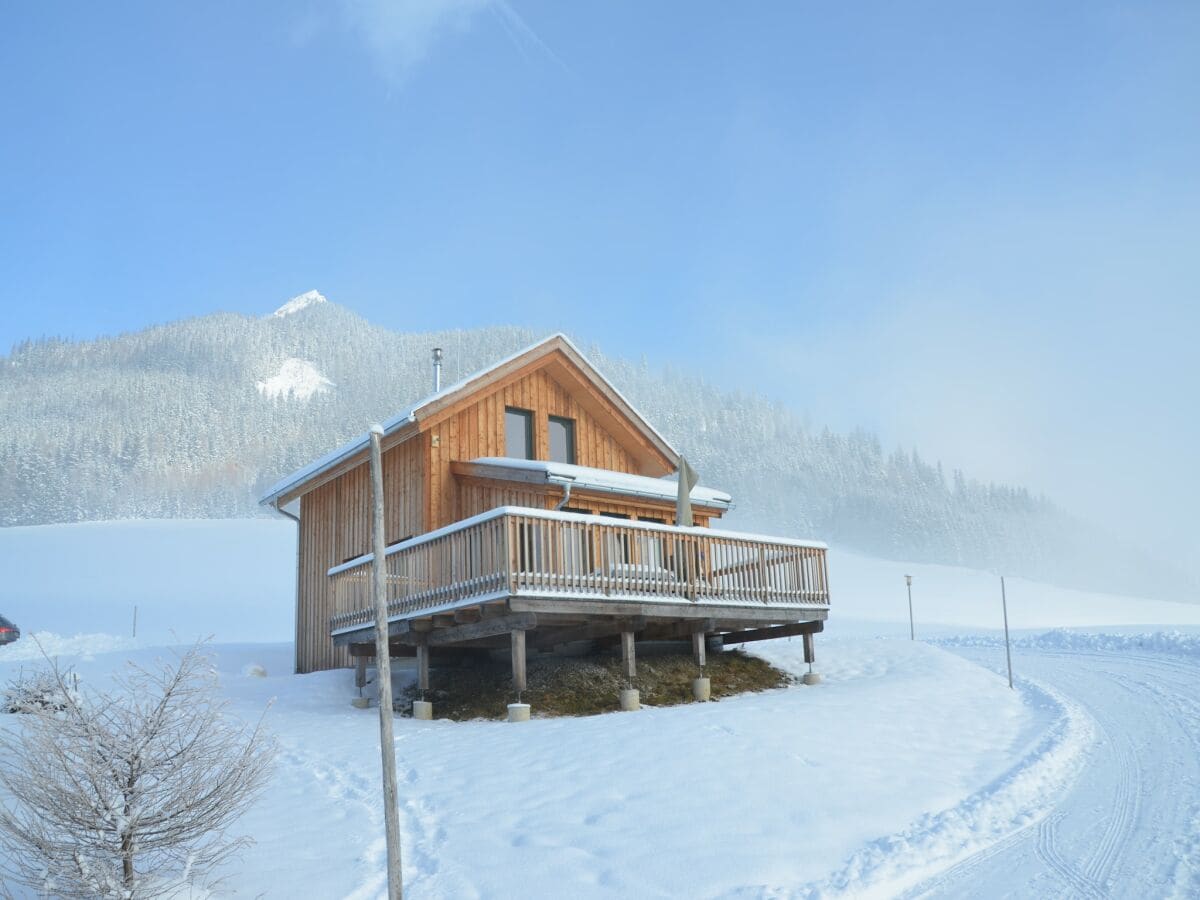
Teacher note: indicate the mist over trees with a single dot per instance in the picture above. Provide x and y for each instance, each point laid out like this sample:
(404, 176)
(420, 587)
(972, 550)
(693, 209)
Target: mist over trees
(170, 422)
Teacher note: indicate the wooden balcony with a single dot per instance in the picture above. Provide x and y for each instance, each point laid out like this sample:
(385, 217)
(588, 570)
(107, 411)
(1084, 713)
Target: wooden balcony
(590, 564)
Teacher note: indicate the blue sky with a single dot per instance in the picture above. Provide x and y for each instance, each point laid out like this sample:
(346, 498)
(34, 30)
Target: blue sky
(973, 228)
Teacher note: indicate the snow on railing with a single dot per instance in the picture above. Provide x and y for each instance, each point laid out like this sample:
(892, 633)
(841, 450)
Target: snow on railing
(514, 551)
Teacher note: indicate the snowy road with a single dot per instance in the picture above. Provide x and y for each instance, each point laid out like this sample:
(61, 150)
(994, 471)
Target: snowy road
(1130, 825)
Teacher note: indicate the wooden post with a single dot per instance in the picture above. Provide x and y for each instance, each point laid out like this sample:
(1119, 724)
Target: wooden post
(698, 647)
(423, 665)
(912, 632)
(518, 660)
(810, 656)
(1007, 650)
(360, 672)
(628, 655)
(383, 662)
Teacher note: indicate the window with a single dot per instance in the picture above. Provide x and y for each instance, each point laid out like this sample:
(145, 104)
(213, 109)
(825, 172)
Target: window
(518, 433)
(562, 440)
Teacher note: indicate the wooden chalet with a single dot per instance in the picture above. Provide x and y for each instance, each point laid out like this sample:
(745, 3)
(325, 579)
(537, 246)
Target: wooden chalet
(527, 505)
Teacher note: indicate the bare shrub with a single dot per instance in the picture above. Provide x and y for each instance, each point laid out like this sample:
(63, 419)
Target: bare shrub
(128, 793)
(39, 689)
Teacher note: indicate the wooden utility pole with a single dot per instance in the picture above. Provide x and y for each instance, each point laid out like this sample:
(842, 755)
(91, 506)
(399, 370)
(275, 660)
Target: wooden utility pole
(383, 666)
(1007, 651)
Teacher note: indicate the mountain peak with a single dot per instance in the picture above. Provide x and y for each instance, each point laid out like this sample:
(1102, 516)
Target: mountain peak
(303, 301)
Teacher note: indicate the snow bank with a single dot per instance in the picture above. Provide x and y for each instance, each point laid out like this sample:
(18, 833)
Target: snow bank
(37, 647)
(1061, 639)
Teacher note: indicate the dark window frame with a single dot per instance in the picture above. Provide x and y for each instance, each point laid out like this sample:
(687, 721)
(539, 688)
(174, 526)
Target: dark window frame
(569, 431)
(530, 445)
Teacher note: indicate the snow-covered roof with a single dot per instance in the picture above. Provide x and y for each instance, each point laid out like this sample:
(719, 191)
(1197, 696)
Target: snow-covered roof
(409, 417)
(588, 478)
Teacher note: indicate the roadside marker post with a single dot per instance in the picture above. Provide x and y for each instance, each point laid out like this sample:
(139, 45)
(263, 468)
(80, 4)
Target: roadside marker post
(1007, 649)
(912, 634)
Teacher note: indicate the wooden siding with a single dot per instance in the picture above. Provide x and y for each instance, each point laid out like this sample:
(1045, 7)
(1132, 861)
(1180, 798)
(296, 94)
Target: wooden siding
(477, 429)
(335, 525)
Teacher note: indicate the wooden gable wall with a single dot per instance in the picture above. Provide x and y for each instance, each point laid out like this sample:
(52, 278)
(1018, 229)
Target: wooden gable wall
(335, 525)
(476, 429)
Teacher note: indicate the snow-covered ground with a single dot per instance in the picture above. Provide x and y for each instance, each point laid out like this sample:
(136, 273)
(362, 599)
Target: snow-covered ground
(911, 768)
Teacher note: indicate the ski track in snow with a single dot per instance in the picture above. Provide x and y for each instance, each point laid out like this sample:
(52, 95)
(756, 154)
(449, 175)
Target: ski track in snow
(982, 824)
(1127, 827)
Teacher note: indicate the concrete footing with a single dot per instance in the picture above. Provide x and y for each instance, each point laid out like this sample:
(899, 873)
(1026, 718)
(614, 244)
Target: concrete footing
(518, 712)
(702, 689)
(631, 700)
(422, 709)
(360, 702)
(811, 678)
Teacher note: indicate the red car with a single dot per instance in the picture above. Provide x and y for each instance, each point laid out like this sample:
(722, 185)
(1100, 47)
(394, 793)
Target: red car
(8, 631)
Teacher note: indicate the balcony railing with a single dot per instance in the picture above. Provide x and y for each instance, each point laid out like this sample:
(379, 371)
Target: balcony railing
(514, 551)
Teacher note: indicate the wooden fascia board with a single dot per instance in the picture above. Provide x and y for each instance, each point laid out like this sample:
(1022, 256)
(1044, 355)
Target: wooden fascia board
(475, 472)
(491, 381)
(351, 462)
(640, 500)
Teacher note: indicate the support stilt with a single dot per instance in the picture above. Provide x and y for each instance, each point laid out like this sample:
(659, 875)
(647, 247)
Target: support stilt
(518, 661)
(810, 657)
(360, 673)
(423, 667)
(698, 648)
(628, 655)
(630, 697)
(422, 709)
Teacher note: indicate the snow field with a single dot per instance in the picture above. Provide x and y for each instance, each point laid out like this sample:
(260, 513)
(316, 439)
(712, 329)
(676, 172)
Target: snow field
(233, 579)
(759, 793)
(908, 761)
(948, 599)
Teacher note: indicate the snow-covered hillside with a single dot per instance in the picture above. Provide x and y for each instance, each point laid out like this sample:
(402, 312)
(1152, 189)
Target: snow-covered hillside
(193, 419)
(908, 769)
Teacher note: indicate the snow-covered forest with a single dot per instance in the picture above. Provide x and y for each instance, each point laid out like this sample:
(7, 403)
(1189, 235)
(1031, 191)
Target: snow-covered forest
(196, 417)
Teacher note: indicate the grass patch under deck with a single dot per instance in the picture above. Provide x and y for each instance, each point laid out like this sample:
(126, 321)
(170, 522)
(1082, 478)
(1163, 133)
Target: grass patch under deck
(586, 685)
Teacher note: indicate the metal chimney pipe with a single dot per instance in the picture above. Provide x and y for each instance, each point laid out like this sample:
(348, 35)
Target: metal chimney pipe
(437, 369)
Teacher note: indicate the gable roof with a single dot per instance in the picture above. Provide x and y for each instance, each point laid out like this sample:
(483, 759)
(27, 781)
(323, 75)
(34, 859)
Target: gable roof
(408, 423)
